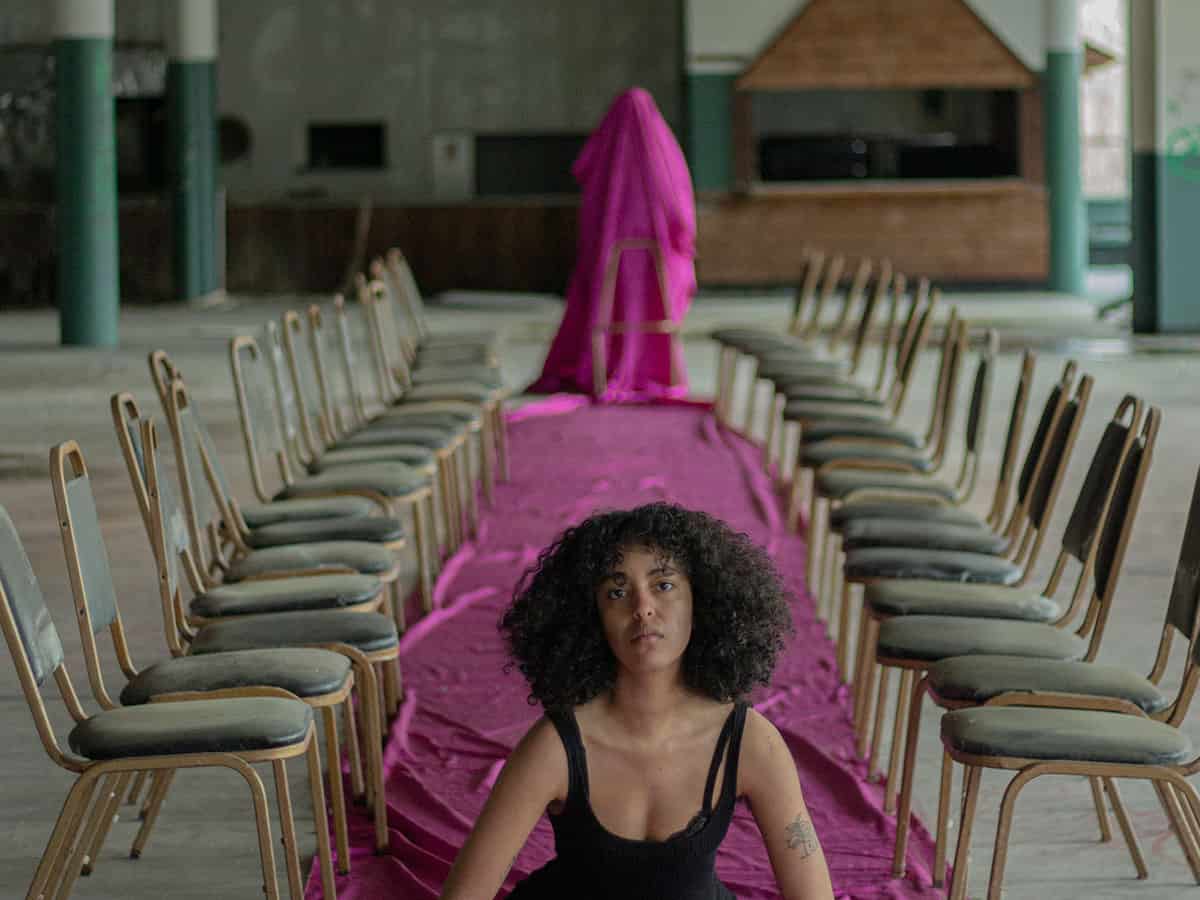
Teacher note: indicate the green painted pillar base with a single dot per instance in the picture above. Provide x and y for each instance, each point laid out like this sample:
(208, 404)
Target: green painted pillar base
(1145, 246)
(192, 171)
(1067, 211)
(1165, 219)
(86, 193)
(710, 130)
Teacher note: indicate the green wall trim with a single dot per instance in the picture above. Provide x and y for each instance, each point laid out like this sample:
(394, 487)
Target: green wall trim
(192, 176)
(1064, 183)
(710, 130)
(86, 193)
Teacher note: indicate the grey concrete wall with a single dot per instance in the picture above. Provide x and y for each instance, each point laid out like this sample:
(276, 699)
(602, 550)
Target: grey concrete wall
(426, 67)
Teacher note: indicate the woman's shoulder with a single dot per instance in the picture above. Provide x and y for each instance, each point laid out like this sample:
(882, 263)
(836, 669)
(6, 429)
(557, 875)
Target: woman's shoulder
(764, 752)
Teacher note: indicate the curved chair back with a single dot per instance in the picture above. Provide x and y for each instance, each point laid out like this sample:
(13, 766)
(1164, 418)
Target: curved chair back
(829, 284)
(400, 278)
(812, 265)
(1012, 439)
(871, 304)
(855, 294)
(262, 434)
(307, 390)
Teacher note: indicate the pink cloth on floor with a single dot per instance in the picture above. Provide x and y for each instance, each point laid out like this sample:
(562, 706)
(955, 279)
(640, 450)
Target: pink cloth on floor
(635, 185)
(463, 714)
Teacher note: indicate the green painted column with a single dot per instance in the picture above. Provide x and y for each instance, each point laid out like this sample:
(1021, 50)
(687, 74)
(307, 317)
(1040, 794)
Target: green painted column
(710, 129)
(1064, 174)
(1165, 170)
(86, 174)
(192, 147)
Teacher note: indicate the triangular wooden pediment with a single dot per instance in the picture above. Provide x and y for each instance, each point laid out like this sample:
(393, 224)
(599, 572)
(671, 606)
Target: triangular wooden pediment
(882, 44)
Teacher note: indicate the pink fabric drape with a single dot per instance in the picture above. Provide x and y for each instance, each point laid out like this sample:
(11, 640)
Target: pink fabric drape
(635, 185)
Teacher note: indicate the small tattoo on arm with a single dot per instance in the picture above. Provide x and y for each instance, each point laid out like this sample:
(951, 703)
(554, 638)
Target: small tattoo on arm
(802, 837)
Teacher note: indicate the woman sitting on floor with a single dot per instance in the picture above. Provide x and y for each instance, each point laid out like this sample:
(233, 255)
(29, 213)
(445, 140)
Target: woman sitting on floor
(640, 633)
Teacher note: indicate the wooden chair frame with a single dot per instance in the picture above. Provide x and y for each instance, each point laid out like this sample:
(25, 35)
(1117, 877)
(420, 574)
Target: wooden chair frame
(67, 848)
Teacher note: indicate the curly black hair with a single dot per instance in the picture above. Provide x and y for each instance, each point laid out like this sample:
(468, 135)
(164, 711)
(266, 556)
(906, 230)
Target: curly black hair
(740, 619)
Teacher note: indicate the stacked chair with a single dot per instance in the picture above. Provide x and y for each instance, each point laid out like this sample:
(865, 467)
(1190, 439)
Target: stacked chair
(282, 613)
(909, 578)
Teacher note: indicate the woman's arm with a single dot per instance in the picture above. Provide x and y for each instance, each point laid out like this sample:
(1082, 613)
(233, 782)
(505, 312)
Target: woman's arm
(534, 776)
(767, 777)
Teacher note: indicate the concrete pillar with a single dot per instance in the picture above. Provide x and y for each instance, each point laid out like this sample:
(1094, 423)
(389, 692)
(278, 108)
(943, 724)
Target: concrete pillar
(192, 145)
(1165, 129)
(86, 174)
(1064, 175)
(710, 125)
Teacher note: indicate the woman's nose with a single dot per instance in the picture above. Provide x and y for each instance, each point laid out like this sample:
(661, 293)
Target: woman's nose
(643, 602)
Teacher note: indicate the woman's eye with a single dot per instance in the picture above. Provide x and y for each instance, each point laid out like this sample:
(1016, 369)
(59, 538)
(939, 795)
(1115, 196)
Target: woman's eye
(616, 593)
(666, 586)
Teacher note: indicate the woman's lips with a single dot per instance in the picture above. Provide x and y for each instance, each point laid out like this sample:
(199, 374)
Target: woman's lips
(648, 637)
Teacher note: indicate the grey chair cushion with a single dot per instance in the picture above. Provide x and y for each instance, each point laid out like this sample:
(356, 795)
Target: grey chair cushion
(815, 455)
(934, 565)
(363, 557)
(804, 371)
(408, 454)
(434, 372)
(304, 672)
(897, 509)
(389, 479)
(413, 416)
(285, 594)
(897, 597)
(383, 433)
(933, 638)
(259, 514)
(816, 410)
(970, 538)
(839, 482)
(374, 529)
(977, 679)
(369, 632)
(200, 726)
(817, 431)
(1065, 734)
(806, 392)
(470, 391)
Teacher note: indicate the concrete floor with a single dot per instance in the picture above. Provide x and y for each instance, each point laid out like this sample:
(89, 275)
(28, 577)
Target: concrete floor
(204, 844)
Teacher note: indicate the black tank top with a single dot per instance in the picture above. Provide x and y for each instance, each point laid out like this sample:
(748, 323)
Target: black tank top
(592, 863)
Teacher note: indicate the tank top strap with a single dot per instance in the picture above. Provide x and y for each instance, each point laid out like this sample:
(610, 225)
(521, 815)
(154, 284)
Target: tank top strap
(731, 737)
(564, 723)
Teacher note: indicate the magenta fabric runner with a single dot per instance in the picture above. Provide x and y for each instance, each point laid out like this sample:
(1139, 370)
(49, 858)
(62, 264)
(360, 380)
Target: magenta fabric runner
(462, 714)
(635, 185)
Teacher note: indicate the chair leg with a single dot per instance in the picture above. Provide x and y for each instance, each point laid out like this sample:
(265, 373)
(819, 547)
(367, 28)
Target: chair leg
(472, 496)
(1190, 818)
(1101, 811)
(1185, 795)
(136, 790)
(487, 457)
(357, 789)
(864, 678)
(287, 826)
(423, 544)
(63, 834)
(71, 869)
(337, 794)
(502, 443)
(158, 792)
(1170, 801)
(1003, 829)
(893, 776)
(829, 582)
(941, 839)
(107, 813)
(373, 751)
(877, 732)
(958, 885)
(1126, 826)
(262, 818)
(324, 860)
(814, 552)
(843, 637)
(904, 811)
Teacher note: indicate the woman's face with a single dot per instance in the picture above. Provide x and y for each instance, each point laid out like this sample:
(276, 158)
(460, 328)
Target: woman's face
(646, 608)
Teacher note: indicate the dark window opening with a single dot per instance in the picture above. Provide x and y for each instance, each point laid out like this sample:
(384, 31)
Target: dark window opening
(514, 164)
(357, 145)
(886, 135)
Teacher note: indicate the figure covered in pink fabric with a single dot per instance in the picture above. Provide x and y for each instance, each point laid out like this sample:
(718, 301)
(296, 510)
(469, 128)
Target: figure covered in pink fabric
(637, 204)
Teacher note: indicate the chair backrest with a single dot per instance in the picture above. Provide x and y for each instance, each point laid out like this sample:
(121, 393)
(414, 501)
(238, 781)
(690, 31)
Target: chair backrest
(329, 365)
(950, 360)
(353, 331)
(911, 348)
(1012, 438)
(302, 369)
(829, 284)
(1183, 614)
(812, 265)
(1036, 454)
(870, 307)
(977, 407)
(890, 341)
(88, 565)
(392, 372)
(262, 433)
(407, 292)
(855, 294)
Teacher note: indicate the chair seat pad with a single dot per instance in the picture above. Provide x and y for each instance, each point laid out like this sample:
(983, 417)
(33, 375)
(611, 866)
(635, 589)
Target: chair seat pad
(412, 416)
(373, 529)
(977, 679)
(285, 595)
(817, 431)
(1065, 734)
(457, 338)
(389, 479)
(408, 454)
(821, 393)
(413, 434)
(834, 409)
(260, 514)
(931, 534)
(840, 482)
(304, 672)
(441, 373)
(361, 556)
(934, 565)
(201, 726)
(471, 391)
(368, 631)
(816, 455)
(900, 509)
(791, 365)
(916, 597)
(933, 638)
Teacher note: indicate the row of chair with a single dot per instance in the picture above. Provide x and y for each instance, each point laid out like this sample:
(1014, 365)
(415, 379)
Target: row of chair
(942, 593)
(281, 615)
